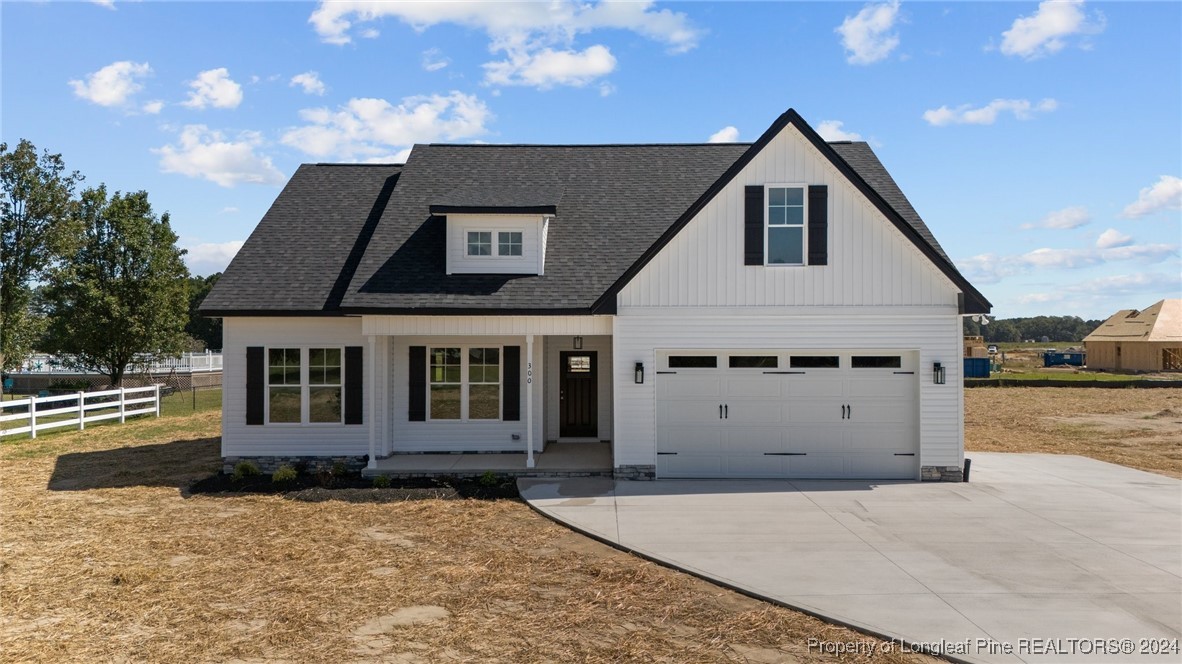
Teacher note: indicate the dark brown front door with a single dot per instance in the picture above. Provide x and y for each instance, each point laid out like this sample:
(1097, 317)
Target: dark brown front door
(578, 395)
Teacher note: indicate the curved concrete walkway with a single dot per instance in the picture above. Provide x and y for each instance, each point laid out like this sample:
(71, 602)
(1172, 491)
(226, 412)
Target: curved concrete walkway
(1035, 547)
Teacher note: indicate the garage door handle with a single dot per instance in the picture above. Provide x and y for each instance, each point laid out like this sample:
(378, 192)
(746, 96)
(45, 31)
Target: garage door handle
(843, 407)
(720, 411)
(666, 372)
(726, 412)
(784, 372)
(909, 373)
(666, 453)
(850, 410)
(904, 453)
(785, 454)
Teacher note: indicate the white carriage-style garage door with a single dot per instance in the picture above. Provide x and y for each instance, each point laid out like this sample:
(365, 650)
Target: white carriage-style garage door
(769, 414)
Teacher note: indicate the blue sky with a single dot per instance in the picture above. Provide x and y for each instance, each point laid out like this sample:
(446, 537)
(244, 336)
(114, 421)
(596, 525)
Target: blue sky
(1041, 142)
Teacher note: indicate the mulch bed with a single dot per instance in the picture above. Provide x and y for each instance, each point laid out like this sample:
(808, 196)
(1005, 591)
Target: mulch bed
(353, 488)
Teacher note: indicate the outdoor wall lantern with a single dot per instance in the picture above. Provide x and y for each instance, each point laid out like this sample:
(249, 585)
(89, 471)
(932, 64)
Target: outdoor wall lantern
(578, 343)
(639, 373)
(938, 373)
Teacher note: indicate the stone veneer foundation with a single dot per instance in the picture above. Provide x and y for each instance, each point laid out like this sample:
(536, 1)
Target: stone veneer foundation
(941, 474)
(635, 473)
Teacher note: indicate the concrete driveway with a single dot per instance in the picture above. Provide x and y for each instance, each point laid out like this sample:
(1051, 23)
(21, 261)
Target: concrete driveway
(1037, 553)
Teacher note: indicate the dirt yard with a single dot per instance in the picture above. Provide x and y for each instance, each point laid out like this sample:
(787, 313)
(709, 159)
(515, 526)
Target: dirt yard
(1141, 428)
(104, 559)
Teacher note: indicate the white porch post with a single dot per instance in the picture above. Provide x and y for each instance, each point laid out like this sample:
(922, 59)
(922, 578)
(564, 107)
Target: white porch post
(529, 401)
(373, 402)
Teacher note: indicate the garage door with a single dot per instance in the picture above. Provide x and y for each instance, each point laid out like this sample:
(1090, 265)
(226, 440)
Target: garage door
(836, 414)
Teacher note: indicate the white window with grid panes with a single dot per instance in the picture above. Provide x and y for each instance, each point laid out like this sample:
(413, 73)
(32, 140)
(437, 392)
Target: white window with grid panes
(785, 228)
(494, 243)
(305, 385)
(465, 383)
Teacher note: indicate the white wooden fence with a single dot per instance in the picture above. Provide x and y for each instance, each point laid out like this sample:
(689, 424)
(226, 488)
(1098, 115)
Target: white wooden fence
(84, 407)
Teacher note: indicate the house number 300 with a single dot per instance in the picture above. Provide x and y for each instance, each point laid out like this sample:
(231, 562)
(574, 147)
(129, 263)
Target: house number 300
(529, 373)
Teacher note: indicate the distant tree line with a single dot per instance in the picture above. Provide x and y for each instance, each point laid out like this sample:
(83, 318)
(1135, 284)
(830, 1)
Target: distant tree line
(93, 277)
(1054, 328)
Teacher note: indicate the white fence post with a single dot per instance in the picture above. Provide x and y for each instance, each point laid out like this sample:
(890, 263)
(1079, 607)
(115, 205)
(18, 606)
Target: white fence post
(157, 399)
(122, 406)
(33, 417)
(81, 410)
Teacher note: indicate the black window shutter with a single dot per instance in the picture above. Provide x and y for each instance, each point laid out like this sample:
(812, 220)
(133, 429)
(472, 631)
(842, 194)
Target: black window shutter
(753, 225)
(353, 381)
(818, 225)
(511, 401)
(417, 407)
(256, 372)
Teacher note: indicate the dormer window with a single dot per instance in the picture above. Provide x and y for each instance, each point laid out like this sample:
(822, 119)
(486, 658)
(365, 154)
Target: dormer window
(498, 229)
(508, 243)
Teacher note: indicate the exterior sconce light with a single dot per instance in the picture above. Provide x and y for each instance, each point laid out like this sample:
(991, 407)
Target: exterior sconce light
(639, 373)
(578, 343)
(938, 373)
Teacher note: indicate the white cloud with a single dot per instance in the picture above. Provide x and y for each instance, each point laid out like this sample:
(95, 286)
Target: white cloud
(113, 85)
(986, 115)
(1113, 238)
(205, 258)
(376, 130)
(536, 38)
(1165, 194)
(153, 107)
(606, 89)
(867, 35)
(310, 82)
(831, 130)
(1046, 31)
(990, 268)
(229, 209)
(433, 60)
(728, 134)
(1063, 220)
(214, 88)
(106, 4)
(546, 68)
(1147, 285)
(205, 153)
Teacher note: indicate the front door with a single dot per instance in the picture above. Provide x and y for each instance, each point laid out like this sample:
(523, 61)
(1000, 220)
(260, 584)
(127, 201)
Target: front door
(578, 395)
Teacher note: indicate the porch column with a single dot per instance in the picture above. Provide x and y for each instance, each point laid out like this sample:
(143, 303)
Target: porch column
(373, 403)
(529, 401)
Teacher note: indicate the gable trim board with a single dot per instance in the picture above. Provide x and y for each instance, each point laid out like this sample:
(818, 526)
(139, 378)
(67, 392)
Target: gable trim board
(975, 302)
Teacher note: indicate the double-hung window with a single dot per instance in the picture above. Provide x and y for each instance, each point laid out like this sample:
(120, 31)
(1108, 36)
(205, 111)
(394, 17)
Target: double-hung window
(465, 383)
(304, 385)
(785, 227)
(507, 244)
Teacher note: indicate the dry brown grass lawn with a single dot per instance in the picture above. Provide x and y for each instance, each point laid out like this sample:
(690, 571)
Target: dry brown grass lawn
(1140, 428)
(104, 559)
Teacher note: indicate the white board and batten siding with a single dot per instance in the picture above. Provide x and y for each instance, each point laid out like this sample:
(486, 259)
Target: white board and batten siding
(878, 292)
(463, 436)
(239, 439)
(533, 232)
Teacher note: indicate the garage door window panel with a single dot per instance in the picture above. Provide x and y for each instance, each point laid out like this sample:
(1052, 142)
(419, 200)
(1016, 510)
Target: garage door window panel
(876, 362)
(753, 361)
(693, 362)
(815, 362)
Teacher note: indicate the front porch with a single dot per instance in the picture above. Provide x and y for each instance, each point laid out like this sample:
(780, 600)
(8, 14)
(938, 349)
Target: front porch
(557, 460)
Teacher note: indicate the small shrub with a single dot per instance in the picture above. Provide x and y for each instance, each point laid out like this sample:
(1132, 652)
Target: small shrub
(285, 474)
(245, 469)
(339, 469)
(489, 478)
(381, 482)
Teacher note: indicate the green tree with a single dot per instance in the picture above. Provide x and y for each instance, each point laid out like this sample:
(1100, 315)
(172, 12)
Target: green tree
(206, 330)
(36, 201)
(123, 295)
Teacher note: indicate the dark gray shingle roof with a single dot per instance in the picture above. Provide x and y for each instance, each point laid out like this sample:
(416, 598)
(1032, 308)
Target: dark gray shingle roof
(294, 259)
(363, 238)
(616, 201)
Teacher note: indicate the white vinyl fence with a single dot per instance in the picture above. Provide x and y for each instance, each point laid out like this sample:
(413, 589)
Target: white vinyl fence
(79, 409)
